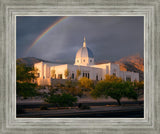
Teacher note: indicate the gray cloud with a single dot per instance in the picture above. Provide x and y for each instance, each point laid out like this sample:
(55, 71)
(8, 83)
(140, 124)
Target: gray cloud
(108, 37)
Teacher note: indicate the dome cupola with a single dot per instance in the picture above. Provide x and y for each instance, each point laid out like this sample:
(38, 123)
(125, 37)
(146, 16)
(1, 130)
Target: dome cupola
(84, 56)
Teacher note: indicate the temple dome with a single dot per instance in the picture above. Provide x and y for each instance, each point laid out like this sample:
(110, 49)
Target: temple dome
(84, 56)
(84, 51)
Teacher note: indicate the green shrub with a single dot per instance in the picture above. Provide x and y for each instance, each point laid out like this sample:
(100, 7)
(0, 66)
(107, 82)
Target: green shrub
(59, 85)
(26, 89)
(61, 100)
(68, 83)
(73, 91)
(139, 87)
(85, 83)
(25, 73)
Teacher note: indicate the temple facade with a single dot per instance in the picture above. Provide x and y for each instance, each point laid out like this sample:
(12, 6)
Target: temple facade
(84, 64)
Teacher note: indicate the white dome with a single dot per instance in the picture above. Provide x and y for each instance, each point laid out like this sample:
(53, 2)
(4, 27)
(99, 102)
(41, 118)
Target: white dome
(84, 56)
(84, 52)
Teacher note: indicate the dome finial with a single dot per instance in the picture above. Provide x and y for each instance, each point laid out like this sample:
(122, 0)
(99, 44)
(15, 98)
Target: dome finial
(84, 43)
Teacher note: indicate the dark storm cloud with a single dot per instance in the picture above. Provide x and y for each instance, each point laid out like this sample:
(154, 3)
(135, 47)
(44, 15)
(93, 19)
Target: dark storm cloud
(108, 37)
(28, 29)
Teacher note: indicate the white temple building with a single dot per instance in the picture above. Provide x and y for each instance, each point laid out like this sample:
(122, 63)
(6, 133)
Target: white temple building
(84, 62)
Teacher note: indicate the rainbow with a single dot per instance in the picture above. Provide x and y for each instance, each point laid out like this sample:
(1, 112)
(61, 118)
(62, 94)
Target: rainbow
(45, 32)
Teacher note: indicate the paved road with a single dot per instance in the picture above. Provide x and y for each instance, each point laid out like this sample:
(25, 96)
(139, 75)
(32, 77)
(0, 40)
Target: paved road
(101, 114)
(125, 111)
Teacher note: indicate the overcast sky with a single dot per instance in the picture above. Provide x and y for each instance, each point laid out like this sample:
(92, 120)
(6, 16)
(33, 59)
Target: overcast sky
(109, 38)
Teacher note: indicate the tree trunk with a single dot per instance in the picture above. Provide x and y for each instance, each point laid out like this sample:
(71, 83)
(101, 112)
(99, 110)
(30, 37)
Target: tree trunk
(119, 103)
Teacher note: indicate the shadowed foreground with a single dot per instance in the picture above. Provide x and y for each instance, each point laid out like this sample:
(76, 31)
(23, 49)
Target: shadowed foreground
(96, 110)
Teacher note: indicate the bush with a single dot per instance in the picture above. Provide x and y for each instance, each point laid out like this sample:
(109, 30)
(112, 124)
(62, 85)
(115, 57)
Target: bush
(139, 87)
(86, 83)
(112, 78)
(73, 91)
(59, 85)
(26, 89)
(68, 83)
(71, 88)
(61, 100)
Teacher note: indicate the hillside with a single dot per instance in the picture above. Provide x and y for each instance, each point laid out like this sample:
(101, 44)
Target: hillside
(132, 63)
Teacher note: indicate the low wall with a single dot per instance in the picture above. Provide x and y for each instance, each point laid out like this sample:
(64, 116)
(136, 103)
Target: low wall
(60, 81)
(63, 81)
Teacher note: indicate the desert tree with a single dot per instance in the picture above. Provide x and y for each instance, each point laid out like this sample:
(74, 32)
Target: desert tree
(85, 83)
(66, 73)
(24, 76)
(115, 88)
(139, 87)
(25, 73)
(78, 73)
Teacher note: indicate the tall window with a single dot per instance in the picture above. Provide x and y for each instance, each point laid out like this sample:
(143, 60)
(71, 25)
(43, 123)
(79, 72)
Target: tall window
(86, 75)
(72, 75)
(83, 60)
(96, 77)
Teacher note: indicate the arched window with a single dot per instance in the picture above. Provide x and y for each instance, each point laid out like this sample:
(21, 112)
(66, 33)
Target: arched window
(77, 60)
(83, 60)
